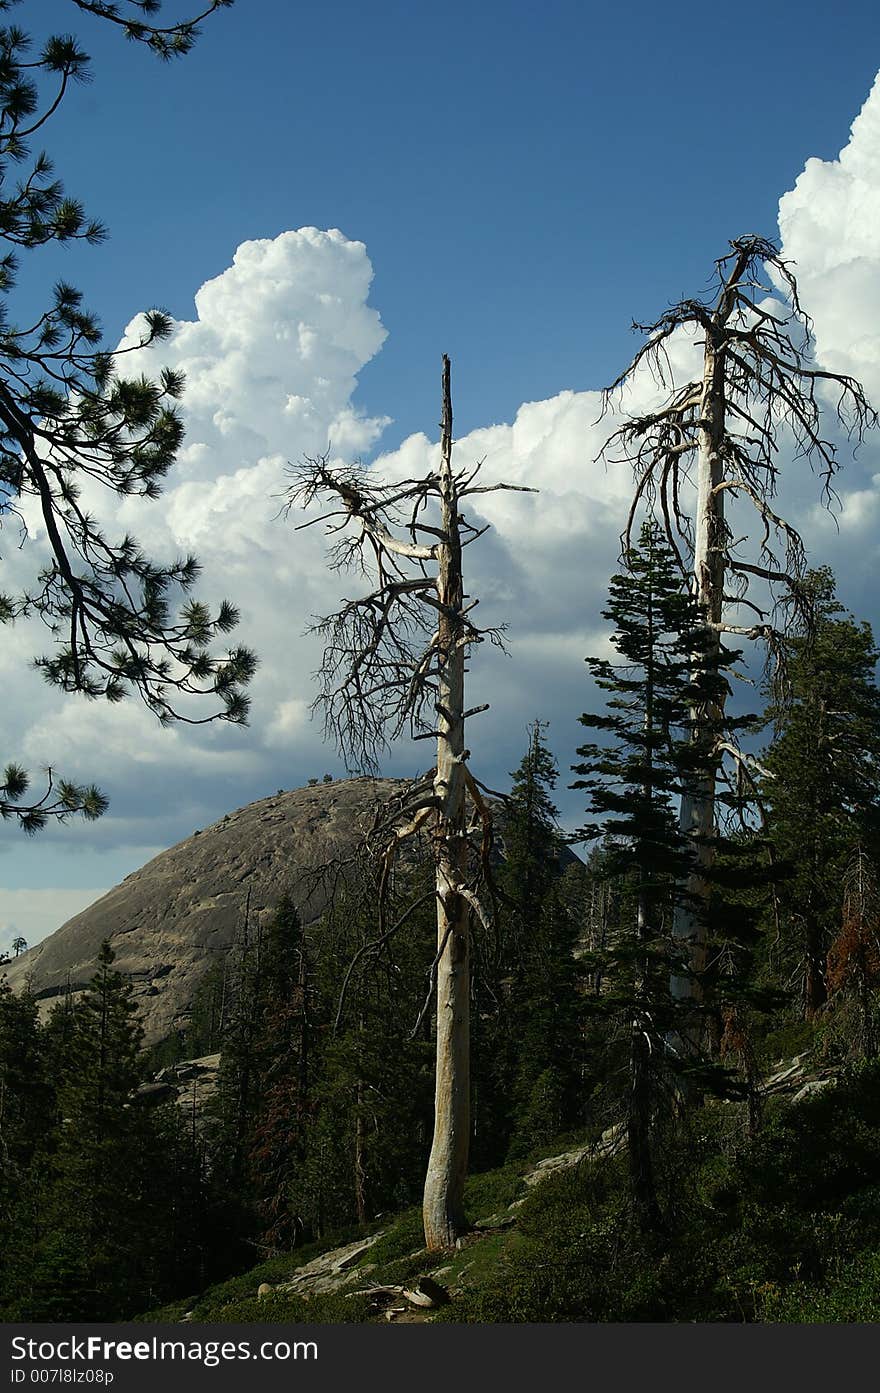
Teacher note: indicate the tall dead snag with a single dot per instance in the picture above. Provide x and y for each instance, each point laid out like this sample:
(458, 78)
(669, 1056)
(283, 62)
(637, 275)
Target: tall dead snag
(394, 664)
(447, 1165)
(719, 437)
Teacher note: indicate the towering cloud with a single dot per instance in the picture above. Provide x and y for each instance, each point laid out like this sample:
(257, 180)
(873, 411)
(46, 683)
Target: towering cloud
(271, 364)
(828, 223)
(272, 361)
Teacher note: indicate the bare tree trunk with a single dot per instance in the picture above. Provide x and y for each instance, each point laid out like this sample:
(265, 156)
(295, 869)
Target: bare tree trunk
(815, 987)
(376, 680)
(639, 1117)
(599, 915)
(447, 1167)
(360, 1174)
(757, 379)
(697, 815)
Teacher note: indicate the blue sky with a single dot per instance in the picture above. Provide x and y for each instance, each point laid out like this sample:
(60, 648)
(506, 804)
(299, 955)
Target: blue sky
(528, 180)
(525, 183)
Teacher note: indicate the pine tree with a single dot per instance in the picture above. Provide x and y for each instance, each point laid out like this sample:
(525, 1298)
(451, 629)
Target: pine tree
(823, 793)
(253, 1136)
(529, 845)
(633, 783)
(282, 1064)
(532, 838)
(26, 1116)
(71, 413)
(25, 1087)
(528, 1040)
(117, 1214)
(96, 1256)
(323, 1107)
(854, 960)
(371, 1107)
(232, 1110)
(720, 431)
(549, 1023)
(395, 662)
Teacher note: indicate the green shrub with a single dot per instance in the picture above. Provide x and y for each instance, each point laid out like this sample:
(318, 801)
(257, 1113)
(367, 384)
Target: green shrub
(786, 1041)
(851, 1296)
(493, 1191)
(406, 1235)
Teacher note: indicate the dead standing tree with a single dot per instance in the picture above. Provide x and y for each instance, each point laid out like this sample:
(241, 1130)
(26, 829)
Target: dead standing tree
(394, 664)
(721, 436)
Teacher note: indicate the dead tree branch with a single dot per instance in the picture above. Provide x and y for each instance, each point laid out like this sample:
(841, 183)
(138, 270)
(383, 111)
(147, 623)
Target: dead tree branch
(394, 664)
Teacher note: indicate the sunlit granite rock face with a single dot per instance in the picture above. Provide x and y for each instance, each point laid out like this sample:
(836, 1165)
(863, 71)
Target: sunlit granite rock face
(176, 916)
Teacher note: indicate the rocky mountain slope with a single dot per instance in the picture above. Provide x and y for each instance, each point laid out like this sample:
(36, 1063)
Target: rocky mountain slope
(176, 916)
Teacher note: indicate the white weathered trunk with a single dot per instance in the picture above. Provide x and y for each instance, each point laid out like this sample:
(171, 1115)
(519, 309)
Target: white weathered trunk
(443, 1206)
(697, 815)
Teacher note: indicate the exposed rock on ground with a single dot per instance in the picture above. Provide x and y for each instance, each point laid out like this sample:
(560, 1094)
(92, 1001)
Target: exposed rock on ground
(350, 1270)
(797, 1078)
(331, 1271)
(610, 1142)
(189, 1084)
(801, 1075)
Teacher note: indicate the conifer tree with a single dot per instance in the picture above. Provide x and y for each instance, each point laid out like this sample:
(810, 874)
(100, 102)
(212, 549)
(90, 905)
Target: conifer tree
(532, 1031)
(71, 414)
(95, 1258)
(823, 793)
(531, 829)
(258, 1117)
(854, 959)
(25, 1088)
(721, 432)
(26, 1115)
(282, 1064)
(322, 1110)
(237, 1096)
(633, 782)
(371, 1104)
(395, 662)
(105, 1210)
(530, 845)
(549, 1025)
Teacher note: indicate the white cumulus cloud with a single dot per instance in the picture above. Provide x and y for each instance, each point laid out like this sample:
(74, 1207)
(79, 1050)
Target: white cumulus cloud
(271, 365)
(272, 361)
(828, 223)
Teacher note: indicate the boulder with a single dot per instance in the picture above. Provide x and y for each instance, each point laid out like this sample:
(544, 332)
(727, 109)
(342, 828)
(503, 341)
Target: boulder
(428, 1294)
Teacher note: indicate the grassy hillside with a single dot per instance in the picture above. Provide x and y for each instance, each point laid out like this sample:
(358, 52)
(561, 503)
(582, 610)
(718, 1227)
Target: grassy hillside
(781, 1227)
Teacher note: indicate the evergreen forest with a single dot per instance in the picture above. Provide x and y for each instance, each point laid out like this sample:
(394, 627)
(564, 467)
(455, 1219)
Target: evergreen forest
(696, 1192)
